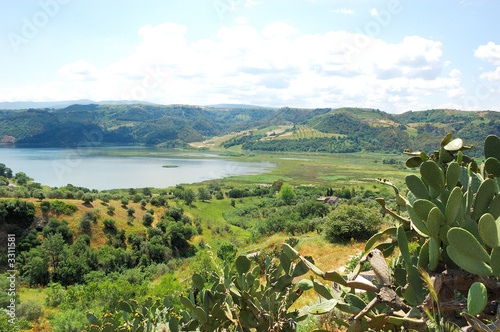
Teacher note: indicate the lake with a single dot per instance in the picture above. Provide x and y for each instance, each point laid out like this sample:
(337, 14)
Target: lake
(123, 167)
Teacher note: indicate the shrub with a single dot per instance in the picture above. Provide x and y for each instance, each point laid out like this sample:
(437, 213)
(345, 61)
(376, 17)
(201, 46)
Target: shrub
(219, 195)
(287, 193)
(130, 211)
(61, 207)
(111, 209)
(292, 241)
(147, 219)
(351, 222)
(174, 212)
(105, 198)
(30, 310)
(227, 252)
(69, 321)
(88, 198)
(45, 206)
(55, 295)
(109, 225)
(85, 225)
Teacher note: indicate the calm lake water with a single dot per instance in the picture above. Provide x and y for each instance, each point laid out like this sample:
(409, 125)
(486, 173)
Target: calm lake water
(123, 167)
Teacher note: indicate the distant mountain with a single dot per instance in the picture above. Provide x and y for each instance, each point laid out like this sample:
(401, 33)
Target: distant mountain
(235, 106)
(23, 105)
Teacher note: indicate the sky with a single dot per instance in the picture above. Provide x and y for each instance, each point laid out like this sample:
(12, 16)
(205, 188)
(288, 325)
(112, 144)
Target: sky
(392, 55)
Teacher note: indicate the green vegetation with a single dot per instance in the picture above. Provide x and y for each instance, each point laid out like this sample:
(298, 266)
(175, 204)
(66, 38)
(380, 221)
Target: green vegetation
(342, 130)
(90, 251)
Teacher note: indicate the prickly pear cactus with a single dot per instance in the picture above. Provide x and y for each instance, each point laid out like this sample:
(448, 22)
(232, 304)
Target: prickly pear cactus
(236, 300)
(135, 317)
(447, 240)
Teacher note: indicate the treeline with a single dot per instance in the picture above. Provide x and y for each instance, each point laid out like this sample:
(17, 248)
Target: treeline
(323, 144)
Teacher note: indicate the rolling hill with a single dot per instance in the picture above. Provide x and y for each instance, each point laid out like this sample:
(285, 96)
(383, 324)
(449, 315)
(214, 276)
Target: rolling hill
(249, 127)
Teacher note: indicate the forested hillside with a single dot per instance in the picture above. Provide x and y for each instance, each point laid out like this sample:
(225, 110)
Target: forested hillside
(369, 130)
(173, 125)
(252, 127)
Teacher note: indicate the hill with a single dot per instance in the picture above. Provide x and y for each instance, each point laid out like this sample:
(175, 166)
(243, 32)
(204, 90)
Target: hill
(361, 129)
(170, 126)
(244, 126)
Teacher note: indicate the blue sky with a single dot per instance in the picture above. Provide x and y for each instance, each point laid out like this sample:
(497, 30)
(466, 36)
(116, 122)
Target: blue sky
(395, 55)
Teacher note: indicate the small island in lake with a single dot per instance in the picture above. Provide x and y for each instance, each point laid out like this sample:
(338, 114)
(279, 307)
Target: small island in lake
(170, 166)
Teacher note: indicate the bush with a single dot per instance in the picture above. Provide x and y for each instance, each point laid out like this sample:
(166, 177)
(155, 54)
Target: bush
(111, 209)
(292, 241)
(30, 310)
(85, 225)
(130, 211)
(88, 198)
(227, 252)
(69, 321)
(62, 208)
(351, 222)
(147, 219)
(109, 225)
(55, 295)
(45, 206)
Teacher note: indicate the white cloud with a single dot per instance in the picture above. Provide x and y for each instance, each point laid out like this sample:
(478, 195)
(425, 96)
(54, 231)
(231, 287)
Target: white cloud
(373, 12)
(489, 52)
(492, 76)
(276, 66)
(343, 11)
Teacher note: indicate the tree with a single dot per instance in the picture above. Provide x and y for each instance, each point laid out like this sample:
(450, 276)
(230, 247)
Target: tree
(179, 235)
(38, 271)
(204, 194)
(87, 198)
(21, 178)
(124, 201)
(351, 222)
(312, 209)
(85, 225)
(105, 198)
(130, 211)
(137, 198)
(189, 196)
(39, 194)
(111, 209)
(18, 212)
(146, 192)
(287, 193)
(5, 171)
(147, 219)
(55, 249)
